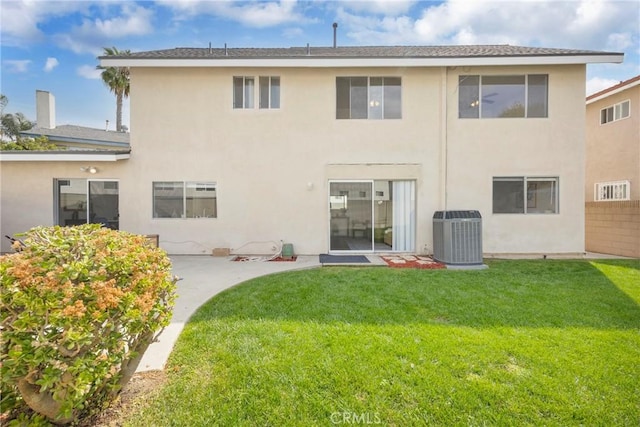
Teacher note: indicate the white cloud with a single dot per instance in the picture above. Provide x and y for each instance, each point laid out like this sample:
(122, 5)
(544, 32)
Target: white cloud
(17, 66)
(381, 7)
(89, 72)
(50, 64)
(94, 34)
(585, 24)
(292, 33)
(20, 19)
(257, 14)
(597, 84)
(620, 41)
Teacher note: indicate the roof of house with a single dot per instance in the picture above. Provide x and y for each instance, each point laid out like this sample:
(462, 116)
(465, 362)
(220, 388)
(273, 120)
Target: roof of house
(365, 55)
(80, 134)
(468, 51)
(634, 81)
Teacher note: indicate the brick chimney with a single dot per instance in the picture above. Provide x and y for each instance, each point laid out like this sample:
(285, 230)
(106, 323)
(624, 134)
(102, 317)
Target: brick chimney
(45, 110)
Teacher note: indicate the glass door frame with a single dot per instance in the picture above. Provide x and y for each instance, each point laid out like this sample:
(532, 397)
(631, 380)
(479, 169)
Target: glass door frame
(350, 181)
(87, 208)
(89, 181)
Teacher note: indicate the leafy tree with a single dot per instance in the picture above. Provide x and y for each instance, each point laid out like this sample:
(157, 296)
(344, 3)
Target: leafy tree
(40, 143)
(117, 79)
(12, 124)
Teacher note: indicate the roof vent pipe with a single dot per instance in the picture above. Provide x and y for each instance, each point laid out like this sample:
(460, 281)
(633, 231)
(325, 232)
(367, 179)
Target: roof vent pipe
(308, 50)
(335, 30)
(226, 53)
(209, 48)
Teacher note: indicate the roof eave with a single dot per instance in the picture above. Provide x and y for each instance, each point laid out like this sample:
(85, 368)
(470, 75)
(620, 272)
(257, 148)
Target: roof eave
(63, 156)
(609, 92)
(359, 62)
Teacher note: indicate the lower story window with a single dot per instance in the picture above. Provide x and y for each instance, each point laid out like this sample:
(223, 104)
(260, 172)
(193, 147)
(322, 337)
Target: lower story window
(185, 199)
(525, 195)
(83, 201)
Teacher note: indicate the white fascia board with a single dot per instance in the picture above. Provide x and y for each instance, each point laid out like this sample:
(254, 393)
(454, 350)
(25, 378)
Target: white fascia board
(613, 92)
(13, 156)
(324, 62)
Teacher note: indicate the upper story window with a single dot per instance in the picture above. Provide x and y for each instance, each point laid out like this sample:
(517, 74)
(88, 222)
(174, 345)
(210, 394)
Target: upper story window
(269, 92)
(180, 199)
(503, 96)
(244, 92)
(525, 195)
(614, 190)
(368, 98)
(615, 112)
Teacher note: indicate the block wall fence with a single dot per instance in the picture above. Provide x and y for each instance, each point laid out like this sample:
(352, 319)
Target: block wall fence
(613, 228)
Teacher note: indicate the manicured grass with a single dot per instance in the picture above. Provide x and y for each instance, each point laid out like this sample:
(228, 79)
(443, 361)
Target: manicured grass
(522, 343)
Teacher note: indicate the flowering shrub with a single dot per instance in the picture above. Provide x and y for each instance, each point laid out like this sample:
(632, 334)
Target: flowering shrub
(78, 307)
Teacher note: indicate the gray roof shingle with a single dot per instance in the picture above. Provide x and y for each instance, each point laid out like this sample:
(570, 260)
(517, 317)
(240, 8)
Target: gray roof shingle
(461, 51)
(72, 133)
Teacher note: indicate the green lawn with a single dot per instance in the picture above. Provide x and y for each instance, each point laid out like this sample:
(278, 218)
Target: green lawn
(522, 343)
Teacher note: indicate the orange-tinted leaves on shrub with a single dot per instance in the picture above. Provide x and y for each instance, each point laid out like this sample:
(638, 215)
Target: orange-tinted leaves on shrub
(78, 307)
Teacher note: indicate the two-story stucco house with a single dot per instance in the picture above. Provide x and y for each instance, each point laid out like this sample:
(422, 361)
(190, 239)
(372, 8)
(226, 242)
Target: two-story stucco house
(612, 189)
(343, 149)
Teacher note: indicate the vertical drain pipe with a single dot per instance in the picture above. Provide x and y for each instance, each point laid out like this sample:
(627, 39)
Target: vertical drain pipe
(335, 30)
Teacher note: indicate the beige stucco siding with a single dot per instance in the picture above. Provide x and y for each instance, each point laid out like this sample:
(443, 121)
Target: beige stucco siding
(264, 160)
(27, 191)
(273, 167)
(479, 150)
(613, 149)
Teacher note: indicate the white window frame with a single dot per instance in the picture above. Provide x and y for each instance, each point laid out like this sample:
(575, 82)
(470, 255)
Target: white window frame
(269, 84)
(369, 101)
(245, 99)
(612, 191)
(255, 101)
(479, 102)
(614, 112)
(200, 186)
(525, 195)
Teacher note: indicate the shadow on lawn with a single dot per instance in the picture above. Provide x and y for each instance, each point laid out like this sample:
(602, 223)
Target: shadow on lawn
(510, 293)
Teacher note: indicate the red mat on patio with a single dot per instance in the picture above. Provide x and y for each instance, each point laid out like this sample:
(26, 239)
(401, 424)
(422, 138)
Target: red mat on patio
(263, 258)
(412, 261)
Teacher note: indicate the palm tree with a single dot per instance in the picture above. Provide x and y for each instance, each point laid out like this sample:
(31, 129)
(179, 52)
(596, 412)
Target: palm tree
(117, 79)
(12, 124)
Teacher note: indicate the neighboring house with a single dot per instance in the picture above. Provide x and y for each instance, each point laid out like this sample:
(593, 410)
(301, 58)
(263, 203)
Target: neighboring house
(347, 149)
(612, 185)
(72, 137)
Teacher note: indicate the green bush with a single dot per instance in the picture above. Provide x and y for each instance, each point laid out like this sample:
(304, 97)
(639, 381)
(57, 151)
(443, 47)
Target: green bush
(40, 143)
(79, 306)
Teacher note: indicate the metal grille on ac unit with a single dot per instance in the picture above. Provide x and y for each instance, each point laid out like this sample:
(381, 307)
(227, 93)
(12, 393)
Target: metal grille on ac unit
(457, 237)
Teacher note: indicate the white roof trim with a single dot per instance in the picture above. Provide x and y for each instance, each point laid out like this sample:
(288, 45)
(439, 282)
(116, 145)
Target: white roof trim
(17, 156)
(325, 62)
(613, 92)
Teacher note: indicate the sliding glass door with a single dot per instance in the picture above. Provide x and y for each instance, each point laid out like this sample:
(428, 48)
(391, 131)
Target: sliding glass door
(351, 210)
(82, 201)
(372, 216)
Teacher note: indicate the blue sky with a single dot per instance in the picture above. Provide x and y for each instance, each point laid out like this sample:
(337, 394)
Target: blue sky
(52, 45)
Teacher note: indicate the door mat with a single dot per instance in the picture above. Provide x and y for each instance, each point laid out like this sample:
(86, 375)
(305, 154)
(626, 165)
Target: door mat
(343, 259)
(263, 258)
(412, 261)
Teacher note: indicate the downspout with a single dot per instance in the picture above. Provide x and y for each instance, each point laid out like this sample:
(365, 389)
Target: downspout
(444, 147)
